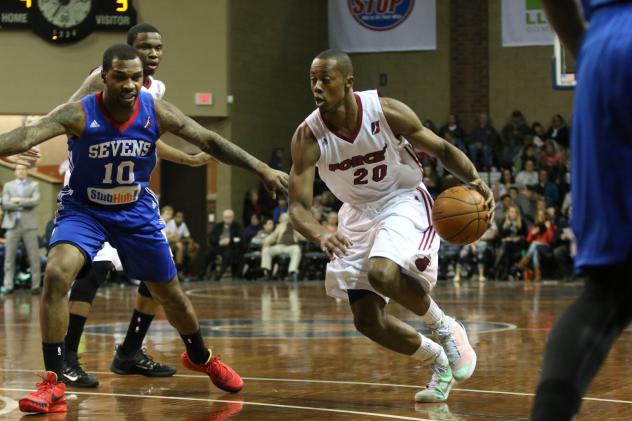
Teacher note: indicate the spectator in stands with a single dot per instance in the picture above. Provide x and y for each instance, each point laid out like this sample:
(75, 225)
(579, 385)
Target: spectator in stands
(283, 240)
(20, 197)
(558, 131)
(478, 252)
(502, 206)
(512, 238)
(548, 189)
(505, 183)
(186, 248)
(527, 201)
(429, 124)
(453, 126)
(513, 135)
(252, 229)
(452, 139)
(256, 243)
(528, 153)
(482, 142)
(225, 241)
(166, 214)
(539, 134)
(251, 206)
(551, 158)
(280, 208)
(331, 223)
(539, 240)
(276, 160)
(528, 176)
(564, 248)
(431, 180)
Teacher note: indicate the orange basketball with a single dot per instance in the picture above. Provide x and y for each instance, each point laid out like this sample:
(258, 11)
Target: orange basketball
(459, 215)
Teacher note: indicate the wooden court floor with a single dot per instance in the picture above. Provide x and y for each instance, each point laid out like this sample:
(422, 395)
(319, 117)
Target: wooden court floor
(302, 360)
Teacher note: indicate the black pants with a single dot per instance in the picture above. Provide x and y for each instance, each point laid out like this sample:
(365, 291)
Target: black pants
(581, 340)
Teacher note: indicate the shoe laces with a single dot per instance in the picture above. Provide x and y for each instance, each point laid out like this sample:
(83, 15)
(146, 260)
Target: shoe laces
(44, 386)
(147, 359)
(448, 342)
(437, 372)
(77, 368)
(219, 368)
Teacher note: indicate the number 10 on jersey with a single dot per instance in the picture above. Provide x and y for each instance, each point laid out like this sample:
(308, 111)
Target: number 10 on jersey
(124, 173)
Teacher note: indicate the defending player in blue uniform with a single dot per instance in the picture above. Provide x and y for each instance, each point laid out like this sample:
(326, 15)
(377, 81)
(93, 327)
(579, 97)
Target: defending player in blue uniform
(112, 143)
(601, 156)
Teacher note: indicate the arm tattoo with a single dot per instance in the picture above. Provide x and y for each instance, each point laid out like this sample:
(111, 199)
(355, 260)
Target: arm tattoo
(173, 120)
(54, 124)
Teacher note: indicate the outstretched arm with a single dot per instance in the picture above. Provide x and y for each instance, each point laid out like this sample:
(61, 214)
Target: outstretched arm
(404, 122)
(171, 119)
(169, 153)
(65, 119)
(565, 18)
(305, 155)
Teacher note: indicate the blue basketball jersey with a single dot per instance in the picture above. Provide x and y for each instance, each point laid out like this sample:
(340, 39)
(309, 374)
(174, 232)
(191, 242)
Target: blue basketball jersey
(591, 5)
(601, 145)
(111, 164)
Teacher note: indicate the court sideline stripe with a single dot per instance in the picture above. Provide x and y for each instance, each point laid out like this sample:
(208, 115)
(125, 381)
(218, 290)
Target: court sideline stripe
(273, 405)
(346, 382)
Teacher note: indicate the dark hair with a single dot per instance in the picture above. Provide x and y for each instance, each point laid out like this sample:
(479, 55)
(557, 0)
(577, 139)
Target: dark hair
(119, 51)
(343, 62)
(141, 28)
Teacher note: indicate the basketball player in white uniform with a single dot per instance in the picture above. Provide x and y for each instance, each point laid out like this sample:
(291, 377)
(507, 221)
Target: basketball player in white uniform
(129, 358)
(385, 246)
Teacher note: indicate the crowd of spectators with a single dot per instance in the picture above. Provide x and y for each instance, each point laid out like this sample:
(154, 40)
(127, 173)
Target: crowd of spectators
(527, 166)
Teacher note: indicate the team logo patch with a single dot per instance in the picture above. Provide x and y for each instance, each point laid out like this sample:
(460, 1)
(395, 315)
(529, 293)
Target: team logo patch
(375, 127)
(422, 262)
(380, 15)
(148, 123)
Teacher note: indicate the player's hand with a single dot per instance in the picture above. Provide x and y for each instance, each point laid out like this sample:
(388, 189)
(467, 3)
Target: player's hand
(28, 158)
(275, 181)
(488, 195)
(334, 244)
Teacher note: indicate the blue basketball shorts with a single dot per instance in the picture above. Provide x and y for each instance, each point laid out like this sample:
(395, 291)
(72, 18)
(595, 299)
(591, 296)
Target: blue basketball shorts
(145, 254)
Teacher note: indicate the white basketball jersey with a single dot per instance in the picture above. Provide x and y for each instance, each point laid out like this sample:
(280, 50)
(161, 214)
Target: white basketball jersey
(372, 165)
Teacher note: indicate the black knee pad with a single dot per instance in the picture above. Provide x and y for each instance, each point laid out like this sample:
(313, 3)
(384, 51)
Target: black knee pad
(143, 290)
(85, 289)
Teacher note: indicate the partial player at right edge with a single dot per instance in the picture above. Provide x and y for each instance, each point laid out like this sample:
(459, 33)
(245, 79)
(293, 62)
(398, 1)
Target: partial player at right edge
(385, 246)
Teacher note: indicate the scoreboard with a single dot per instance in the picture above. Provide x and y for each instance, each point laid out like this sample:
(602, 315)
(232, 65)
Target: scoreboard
(66, 21)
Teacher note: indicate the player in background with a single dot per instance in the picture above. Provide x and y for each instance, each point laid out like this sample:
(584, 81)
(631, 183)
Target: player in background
(108, 198)
(601, 140)
(129, 357)
(385, 246)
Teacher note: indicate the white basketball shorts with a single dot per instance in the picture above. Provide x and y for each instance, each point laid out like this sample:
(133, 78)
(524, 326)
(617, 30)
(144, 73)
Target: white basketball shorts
(399, 230)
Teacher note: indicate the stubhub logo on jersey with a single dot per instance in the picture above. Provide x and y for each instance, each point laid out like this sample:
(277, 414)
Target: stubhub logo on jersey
(380, 15)
(121, 195)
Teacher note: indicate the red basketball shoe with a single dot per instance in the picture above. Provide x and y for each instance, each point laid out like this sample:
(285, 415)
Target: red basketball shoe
(50, 396)
(220, 374)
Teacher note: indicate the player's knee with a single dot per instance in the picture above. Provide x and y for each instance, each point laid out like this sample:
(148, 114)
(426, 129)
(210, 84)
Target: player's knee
(381, 278)
(56, 283)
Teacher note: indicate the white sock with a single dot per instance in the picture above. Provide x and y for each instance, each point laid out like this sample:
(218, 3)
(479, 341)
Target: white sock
(434, 317)
(429, 351)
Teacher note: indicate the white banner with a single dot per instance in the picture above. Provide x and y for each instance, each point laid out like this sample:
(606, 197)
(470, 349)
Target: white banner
(524, 24)
(382, 25)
